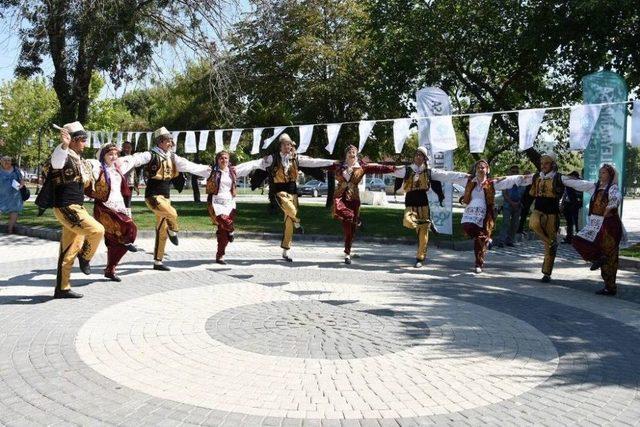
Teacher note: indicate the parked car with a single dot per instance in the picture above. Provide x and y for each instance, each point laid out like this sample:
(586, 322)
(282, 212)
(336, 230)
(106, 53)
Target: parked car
(389, 183)
(313, 188)
(375, 184)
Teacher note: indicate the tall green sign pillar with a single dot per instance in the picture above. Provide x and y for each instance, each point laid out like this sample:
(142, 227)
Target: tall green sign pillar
(608, 143)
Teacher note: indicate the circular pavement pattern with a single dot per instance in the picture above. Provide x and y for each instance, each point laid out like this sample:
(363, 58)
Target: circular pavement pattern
(163, 345)
(314, 330)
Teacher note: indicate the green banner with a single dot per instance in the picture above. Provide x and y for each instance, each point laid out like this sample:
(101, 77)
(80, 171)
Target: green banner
(608, 143)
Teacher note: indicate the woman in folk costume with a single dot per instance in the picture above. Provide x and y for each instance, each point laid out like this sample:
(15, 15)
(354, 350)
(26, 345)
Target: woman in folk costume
(599, 241)
(109, 191)
(221, 191)
(282, 169)
(161, 167)
(478, 218)
(417, 178)
(346, 200)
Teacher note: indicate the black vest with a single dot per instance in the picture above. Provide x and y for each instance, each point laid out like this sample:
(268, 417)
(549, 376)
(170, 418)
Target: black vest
(68, 186)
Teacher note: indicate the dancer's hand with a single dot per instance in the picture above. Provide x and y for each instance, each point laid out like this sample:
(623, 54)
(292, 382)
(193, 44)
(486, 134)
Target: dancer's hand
(65, 138)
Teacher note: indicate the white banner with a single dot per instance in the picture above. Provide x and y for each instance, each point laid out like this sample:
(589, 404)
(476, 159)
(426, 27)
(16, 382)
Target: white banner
(235, 139)
(129, 136)
(202, 140)
(400, 133)
(529, 122)
(635, 125)
(306, 132)
(119, 140)
(333, 130)
(136, 138)
(190, 142)
(430, 101)
(217, 137)
(442, 135)
(257, 136)
(364, 129)
(478, 131)
(276, 133)
(175, 135)
(149, 140)
(582, 121)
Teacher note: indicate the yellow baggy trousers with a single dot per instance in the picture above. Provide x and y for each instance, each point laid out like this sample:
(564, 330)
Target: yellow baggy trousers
(417, 218)
(166, 219)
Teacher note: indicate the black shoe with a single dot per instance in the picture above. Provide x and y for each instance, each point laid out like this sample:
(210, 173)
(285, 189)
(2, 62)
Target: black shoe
(510, 244)
(220, 261)
(566, 241)
(173, 239)
(113, 277)
(161, 267)
(287, 258)
(84, 266)
(347, 261)
(131, 247)
(607, 292)
(546, 278)
(597, 264)
(231, 237)
(66, 294)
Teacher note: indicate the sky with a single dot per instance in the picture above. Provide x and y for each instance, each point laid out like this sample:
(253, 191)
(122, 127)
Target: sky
(170, 59)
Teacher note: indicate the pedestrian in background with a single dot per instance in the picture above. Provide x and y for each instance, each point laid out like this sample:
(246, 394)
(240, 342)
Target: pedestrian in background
(11, 180)
(571, 204)
(511, 208)
(525, 205)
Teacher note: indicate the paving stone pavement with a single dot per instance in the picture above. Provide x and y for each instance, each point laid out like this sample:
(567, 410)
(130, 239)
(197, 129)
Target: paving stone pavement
(316, 342)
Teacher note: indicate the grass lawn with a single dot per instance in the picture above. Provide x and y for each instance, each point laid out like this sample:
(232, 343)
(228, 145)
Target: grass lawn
(632, 251)
(254, 217)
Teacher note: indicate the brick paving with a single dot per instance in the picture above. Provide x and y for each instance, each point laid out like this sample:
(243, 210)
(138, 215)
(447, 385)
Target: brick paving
(316, 342)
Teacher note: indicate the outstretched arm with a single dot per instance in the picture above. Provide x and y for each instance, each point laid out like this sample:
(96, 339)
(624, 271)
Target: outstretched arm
(579, 184)
(310, 162)
(185, 165)
(244, 169)
(376, 168)
(450, 177)
(126, 163)
(504, 183)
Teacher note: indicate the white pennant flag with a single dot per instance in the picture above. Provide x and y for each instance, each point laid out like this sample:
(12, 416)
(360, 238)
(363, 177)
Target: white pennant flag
(217, 136)
(149, 140)
(478, 131)
(190, 142)
(235, 139)
(276, 133)
(442, 135)
(364, 129)
(306, 132)
(136, 138)
(333, 130)
(109, 136)
(119, 140)
(529, 122)
(202, 140)
(257, 136)
(129, 136)
(400, 133)
(582, 122)
(635, 125)
(175, 135)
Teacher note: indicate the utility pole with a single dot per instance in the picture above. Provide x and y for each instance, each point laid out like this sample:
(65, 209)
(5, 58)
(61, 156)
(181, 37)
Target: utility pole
(39, 164)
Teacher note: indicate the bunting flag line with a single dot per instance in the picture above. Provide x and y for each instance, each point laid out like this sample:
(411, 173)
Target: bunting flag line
(119, 140)
(478, 131)
(109, 136)
(190, 142)
(257, 136)
(401, 128)
(442, 135)
(364, 129)
(217, 137)
(276, 133)
(529, 122)
(635, 125)
(582, 122)
(149, 140)
(202, 140)
(235, 139)
(333, 130)
(129, 137)
(95, 142)
(306, 133)
(136, 138)
(175, 135)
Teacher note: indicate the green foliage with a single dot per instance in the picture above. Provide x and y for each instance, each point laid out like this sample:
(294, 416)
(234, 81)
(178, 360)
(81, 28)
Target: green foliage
(28, 106)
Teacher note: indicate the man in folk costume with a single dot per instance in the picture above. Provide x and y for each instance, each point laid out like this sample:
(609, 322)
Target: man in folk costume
(416, 180)
(161, 166)
(282, 168)
(547, 189)
(110, 209)
(221, 204)
(599, 241)
(81, 233)
(346, 200)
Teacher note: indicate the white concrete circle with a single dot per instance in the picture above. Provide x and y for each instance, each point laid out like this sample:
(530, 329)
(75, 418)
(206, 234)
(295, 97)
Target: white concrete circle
(158, 345)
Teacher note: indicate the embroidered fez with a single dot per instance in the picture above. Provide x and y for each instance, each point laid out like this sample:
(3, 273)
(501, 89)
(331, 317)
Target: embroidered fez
(75, 129)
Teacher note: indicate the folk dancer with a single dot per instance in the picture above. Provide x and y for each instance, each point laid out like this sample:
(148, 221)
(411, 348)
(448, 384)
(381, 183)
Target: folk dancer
(599, 241)
(81, 233)
(221, 204)
(110, 209)
(161, 166)
(282, 168)
(346, 201)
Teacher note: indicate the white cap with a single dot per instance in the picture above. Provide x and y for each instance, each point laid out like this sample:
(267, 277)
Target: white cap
(286, 138)
(75, 129)
(424, 151)
(163, 131)
(551, 156)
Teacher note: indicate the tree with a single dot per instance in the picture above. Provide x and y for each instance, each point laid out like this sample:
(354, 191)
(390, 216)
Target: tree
(28, 106)
(117, 37)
